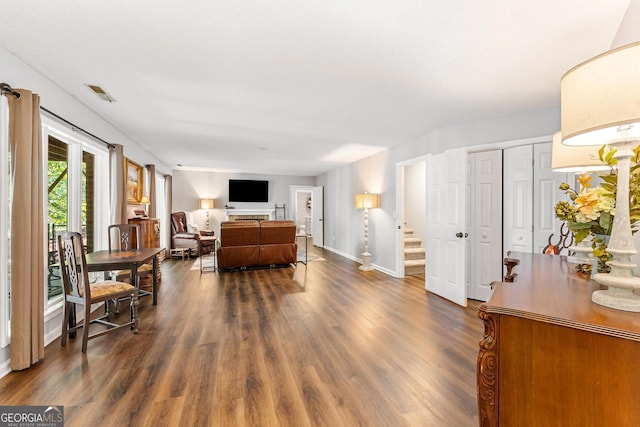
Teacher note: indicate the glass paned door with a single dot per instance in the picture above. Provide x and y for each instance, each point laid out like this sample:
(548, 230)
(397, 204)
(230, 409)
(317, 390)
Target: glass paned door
(60, 179)
(58, 209)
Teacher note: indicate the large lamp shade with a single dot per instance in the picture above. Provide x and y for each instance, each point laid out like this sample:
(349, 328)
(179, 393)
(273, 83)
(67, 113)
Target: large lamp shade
(367, 201)
(599, 95)
(206, 203)
(574, 159)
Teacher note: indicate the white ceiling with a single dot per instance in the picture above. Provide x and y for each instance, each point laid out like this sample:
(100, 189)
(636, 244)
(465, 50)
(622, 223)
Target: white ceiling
(302, 86)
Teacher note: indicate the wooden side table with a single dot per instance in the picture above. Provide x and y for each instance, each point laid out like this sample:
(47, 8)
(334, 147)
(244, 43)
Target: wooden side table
(181, 252)
(208, 239)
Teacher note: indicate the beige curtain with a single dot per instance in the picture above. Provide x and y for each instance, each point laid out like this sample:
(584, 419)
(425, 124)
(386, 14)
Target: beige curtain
(117, 185)
(168, 197)
(27, 231)
(152, 191)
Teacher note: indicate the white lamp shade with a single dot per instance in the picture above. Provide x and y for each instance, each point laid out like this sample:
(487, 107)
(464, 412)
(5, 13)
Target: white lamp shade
(366, 200)
(206, 203)
(574, 159)
(599, 95)
(145, 200)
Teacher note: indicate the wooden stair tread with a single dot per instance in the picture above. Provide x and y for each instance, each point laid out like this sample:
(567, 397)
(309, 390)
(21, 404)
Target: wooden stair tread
(412, 242)
(414, 250)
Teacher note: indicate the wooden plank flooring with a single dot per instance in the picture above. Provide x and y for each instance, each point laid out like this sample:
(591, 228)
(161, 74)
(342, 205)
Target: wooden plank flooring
(322, 345)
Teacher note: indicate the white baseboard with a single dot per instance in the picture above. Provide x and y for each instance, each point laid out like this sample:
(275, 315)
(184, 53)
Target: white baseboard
(5, 368)
(352, 258)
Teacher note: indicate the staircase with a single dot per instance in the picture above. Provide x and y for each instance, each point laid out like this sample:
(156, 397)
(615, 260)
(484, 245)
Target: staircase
(414, 254)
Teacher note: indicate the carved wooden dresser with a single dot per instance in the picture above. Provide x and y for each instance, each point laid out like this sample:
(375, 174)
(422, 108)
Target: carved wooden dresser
(552, 357)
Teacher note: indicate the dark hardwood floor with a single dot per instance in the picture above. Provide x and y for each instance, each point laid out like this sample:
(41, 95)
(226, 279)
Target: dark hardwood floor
(321, 345)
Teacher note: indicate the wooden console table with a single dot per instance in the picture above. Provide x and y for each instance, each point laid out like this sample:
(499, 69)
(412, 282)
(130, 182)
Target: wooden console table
(552, 357)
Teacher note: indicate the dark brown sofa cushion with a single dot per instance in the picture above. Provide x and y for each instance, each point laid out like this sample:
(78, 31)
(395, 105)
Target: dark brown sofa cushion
(239, 233)
(238, 256)
(277, 232)
(278, 254)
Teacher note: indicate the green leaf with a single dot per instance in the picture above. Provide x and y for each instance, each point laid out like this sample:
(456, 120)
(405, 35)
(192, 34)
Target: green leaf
(576, 226)
(609, 157)
(581, 235)
(605, 220)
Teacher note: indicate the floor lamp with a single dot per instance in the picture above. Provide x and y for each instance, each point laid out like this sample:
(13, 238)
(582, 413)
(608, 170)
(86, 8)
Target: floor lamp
(206, 204)
(366, 201)
(600, 104)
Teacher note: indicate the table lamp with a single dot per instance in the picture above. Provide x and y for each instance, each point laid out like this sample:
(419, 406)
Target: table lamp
(600, 104)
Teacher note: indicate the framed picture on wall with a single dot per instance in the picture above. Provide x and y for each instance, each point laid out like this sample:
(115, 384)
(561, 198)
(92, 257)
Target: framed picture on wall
(134, 176)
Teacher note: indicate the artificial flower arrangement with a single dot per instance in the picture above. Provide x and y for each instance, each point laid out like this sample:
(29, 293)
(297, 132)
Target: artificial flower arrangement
(591, 210)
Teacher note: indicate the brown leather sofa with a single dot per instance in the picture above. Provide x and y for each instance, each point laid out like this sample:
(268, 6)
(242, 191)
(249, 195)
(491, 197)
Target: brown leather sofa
(245, 244)
(181, 238)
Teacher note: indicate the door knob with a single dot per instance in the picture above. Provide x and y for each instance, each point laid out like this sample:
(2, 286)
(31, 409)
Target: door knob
(459, 235)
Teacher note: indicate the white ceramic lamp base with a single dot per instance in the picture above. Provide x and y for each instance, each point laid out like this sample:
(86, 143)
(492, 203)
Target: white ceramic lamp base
(620, 281)
(616, 297)
(366, 262)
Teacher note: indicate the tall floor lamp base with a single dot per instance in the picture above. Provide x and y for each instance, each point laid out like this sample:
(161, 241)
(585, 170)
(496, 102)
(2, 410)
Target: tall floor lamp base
(366, 262)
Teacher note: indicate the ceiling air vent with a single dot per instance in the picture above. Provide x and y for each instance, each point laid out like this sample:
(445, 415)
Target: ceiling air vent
(101, 93)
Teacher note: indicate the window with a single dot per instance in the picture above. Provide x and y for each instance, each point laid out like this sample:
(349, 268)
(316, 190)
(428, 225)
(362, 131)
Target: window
(77, 195)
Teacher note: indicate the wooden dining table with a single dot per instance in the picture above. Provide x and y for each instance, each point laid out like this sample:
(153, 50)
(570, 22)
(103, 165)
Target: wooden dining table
(130, 259)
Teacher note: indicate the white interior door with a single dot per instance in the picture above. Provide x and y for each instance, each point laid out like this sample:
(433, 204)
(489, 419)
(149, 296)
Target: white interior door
(486, 223)
(445, 225)
(317, 216)
(518, 200)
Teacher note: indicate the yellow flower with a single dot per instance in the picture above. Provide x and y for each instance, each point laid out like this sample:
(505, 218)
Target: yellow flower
(586, 202)
(585, 180)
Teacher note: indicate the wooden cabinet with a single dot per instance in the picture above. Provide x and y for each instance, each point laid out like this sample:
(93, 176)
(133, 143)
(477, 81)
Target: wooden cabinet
(150, 230)
(552, 357)
(150, 233)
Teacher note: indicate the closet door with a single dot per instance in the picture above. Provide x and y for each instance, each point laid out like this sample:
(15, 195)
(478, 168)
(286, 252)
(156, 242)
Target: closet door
(485, 220)
(546, 194)
(518, 199)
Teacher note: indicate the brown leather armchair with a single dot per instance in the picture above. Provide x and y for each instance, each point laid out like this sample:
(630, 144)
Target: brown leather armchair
(181, 238)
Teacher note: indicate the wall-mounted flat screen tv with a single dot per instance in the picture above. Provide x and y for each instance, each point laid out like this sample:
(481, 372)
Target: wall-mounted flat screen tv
(245, 190)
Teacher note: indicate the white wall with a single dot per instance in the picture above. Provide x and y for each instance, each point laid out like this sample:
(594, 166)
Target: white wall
(190, 186)
(343, 223)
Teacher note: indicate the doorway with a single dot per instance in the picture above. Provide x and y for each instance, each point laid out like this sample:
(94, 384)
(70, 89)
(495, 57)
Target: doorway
(308, 211)
(410, 217)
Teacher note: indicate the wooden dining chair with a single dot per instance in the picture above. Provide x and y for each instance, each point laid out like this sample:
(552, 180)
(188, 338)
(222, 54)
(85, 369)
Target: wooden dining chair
(78, 290)
(124, 237)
